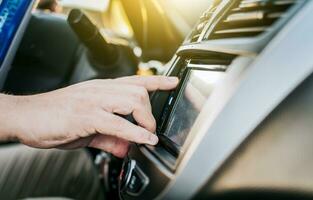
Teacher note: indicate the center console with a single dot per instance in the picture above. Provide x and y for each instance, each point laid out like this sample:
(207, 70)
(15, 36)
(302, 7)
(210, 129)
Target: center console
(233, 72)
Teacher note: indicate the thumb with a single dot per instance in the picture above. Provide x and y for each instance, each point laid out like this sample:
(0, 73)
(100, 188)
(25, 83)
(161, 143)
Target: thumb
(111, 144)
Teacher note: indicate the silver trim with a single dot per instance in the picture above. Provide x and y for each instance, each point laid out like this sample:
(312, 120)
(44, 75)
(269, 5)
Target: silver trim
(245, 16)
(232, 103)
(257, 29)
(241, 47)
(6, 65)
(207, 66)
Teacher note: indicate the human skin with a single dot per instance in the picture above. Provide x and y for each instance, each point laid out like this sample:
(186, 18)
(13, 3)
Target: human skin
(85, 114)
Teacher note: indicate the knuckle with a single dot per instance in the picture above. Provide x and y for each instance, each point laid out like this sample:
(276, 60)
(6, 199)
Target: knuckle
(141, 90)
(153, 123)
(135, 104)
(82, 106)
(141, 93)
(119, 124)
(93, 125)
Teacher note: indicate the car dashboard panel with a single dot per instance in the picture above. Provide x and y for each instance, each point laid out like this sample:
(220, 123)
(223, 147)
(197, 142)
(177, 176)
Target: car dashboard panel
(229, 66)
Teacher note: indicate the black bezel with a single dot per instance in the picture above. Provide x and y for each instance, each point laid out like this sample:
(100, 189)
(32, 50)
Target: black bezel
(165, 141)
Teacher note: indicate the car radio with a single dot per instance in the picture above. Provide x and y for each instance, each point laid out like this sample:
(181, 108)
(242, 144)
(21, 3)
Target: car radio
(183, 105)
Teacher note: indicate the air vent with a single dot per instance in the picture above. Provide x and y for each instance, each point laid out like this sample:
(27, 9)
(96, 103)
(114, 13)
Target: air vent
(248, 18)
(212, 58)
(204, 19)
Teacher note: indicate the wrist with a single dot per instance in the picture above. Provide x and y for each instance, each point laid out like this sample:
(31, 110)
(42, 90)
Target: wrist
(9, 114)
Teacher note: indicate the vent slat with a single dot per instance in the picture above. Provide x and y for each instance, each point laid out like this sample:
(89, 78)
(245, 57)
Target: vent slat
(248, 18)
(239, 32)
(264, 8)
(242, 30)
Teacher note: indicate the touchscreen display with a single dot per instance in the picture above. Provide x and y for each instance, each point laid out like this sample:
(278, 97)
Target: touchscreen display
(196, 89)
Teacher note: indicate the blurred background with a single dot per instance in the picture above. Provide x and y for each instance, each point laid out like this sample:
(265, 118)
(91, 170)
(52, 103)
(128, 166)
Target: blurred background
(133, 37)
(156, 26)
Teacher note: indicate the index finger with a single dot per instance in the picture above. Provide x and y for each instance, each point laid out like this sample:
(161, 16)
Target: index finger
(113, 125)
(151, 83)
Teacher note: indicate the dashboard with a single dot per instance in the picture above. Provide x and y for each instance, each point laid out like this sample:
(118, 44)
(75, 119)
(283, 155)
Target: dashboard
(239, 123)
(237, 67)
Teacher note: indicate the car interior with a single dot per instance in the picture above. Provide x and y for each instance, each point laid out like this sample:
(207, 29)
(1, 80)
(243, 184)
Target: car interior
(239, 124)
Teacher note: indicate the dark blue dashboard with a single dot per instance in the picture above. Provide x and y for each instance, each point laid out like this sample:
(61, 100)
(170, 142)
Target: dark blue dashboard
(12, 13)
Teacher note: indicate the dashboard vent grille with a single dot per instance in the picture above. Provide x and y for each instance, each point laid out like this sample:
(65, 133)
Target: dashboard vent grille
(212, 58)
(247, 18)
(204, 19)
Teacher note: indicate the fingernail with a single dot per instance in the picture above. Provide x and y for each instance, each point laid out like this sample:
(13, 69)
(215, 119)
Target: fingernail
(153, 139)
(173, 79)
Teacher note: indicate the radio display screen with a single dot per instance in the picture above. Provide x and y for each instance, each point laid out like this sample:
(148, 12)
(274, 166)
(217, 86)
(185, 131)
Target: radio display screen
(195, 90)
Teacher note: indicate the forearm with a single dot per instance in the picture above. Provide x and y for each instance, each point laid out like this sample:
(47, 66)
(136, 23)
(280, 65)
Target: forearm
(9, 117)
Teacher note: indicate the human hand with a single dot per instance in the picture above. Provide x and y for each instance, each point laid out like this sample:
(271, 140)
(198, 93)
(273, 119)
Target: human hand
(87, 114)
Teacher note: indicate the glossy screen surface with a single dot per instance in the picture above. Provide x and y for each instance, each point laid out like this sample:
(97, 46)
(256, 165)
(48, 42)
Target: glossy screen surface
(194, 93)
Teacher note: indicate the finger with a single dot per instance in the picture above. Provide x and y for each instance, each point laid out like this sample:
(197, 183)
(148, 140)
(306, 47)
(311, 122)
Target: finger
(110, 144)
(141, 113)
(134, 101)
(145, 119)
(141, 108)
(127, 99)
(110, 124)
(151, 83)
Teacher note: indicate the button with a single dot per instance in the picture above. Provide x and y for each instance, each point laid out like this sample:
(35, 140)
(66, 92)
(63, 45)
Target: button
(135, 184)
(132, 179)
(125, 174)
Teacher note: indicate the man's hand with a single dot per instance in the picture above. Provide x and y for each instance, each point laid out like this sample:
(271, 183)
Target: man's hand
(85, 114)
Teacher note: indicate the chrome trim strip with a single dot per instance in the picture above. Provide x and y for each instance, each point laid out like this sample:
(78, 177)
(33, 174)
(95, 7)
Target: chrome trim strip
(241, 47)
(207, 67)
